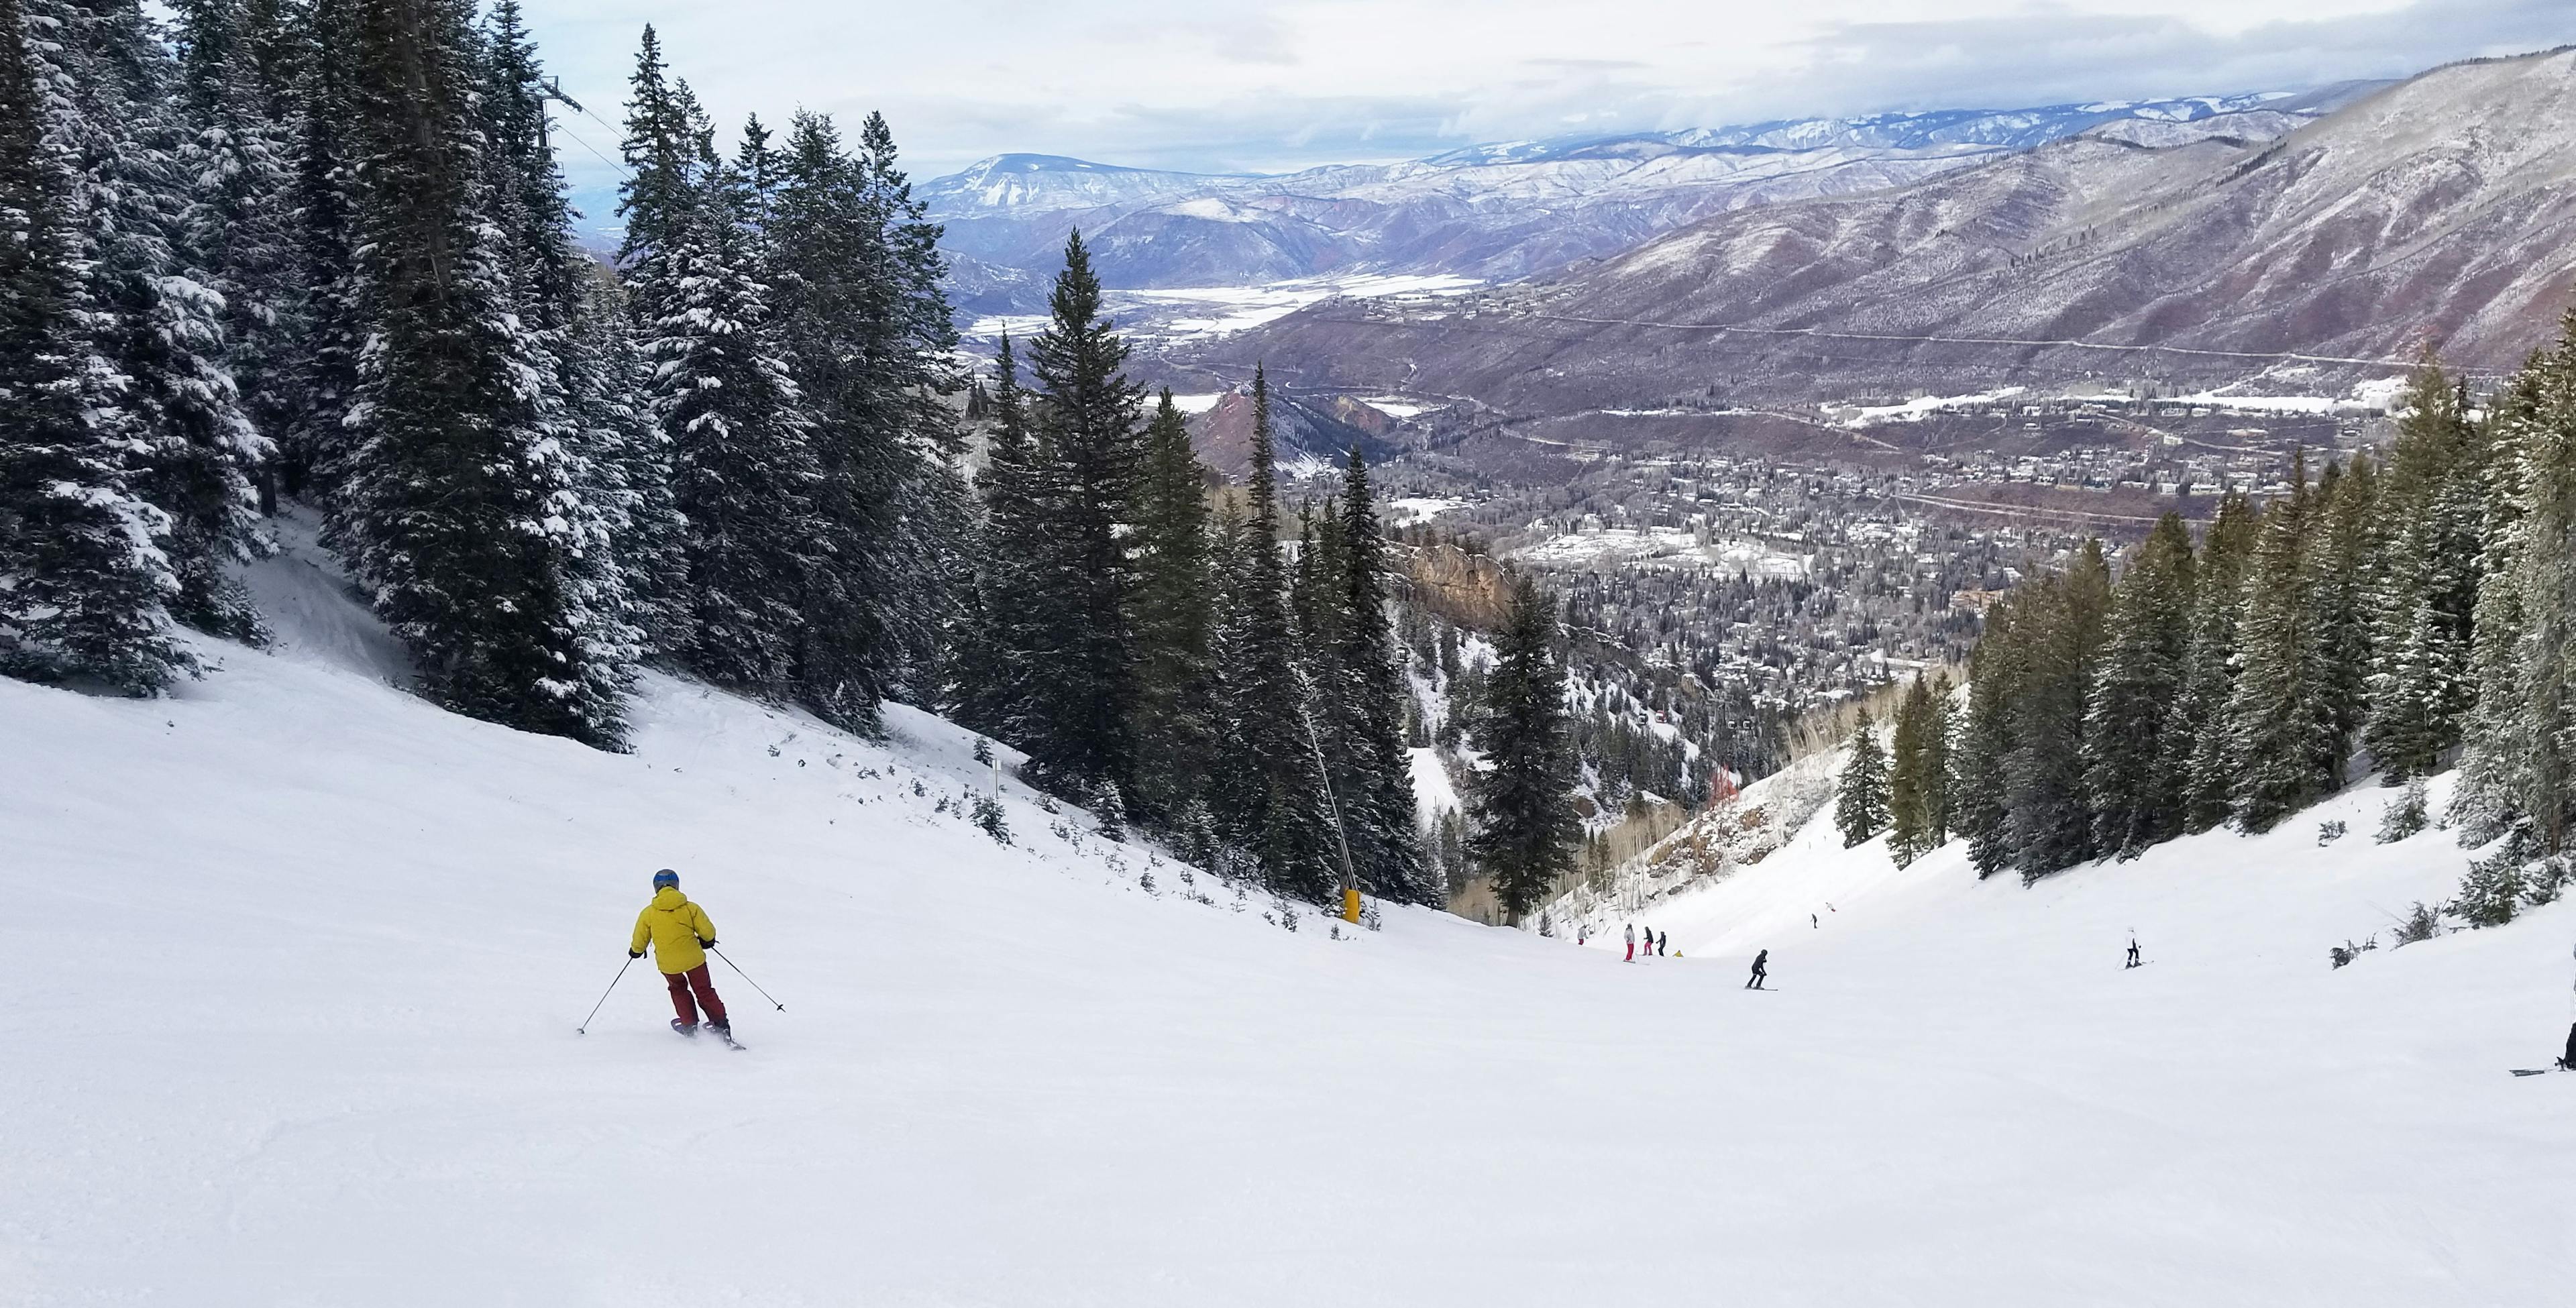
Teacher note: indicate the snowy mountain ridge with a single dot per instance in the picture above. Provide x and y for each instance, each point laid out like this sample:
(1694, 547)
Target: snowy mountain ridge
(2440, 209)
(1495, 211)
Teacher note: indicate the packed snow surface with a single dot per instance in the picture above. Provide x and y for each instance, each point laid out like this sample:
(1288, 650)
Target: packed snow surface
(297, 961)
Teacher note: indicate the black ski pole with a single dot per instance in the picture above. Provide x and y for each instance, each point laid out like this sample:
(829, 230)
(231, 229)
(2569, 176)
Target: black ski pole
(584, 1028)
(737, 971)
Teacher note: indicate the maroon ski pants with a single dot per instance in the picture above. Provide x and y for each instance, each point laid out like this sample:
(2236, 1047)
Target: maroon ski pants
(696, 979)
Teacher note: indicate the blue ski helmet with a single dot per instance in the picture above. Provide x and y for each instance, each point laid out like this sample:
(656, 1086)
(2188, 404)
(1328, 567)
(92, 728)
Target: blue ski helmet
(666, 877)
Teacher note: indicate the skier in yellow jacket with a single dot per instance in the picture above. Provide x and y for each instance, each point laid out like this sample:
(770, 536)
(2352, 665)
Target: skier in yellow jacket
(681, 935)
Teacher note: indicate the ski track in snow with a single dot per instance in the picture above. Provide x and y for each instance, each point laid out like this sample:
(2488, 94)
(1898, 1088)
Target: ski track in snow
(299, 960)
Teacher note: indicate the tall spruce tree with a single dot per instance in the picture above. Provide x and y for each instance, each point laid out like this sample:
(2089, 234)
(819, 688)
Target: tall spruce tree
(1861, 801)
(2519, 771)
(1524, 830)
(2280, 720)
(155, 315)
(2421, 682)
(1273, 799)
(999, 669)
(2196, 743)
(455, 496)
(743, 469)
(2136, 797)
(1085, 411)
(2049, 820)
(1376, 778)
(84, 580)
(237, 62)
(1175, 620)
(325, 331)
(1918, 773)
(1983, 750)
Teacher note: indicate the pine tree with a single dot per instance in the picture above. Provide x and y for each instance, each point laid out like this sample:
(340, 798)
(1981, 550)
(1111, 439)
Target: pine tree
(1985, 740)
(1376, 778)
(1918, 773)
(237, 62)
(156, 316)
(2049, 821)
(2136, 798)
(910, 345)
(1860, 804)
(2519, 772)
(325, 332)
(1272, 799)
(2196, 744)
(2421, 683)
(2280, 721)
(1001, 662)
(457, 498)
(1175, 728)
(84, 581)
(1084, 412)
(1525, 833)
(743, 471)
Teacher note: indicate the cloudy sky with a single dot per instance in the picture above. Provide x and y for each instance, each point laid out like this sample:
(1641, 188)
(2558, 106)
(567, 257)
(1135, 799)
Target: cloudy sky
(1261, 85)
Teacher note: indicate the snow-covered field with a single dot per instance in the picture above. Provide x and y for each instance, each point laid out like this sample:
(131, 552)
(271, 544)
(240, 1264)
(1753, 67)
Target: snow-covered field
(1665, 547)
(1196, 312)
(296, 963)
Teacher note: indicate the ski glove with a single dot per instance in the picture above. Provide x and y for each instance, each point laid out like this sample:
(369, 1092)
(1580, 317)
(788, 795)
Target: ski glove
(710, 944)
(635, 953)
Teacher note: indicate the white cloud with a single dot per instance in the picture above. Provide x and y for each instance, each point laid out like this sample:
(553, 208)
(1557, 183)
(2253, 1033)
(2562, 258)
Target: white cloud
(1263, 84)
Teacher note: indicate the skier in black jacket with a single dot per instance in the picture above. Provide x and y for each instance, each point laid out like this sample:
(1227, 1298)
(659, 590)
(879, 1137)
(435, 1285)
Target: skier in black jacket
(1761, 969)
(2569, 1062)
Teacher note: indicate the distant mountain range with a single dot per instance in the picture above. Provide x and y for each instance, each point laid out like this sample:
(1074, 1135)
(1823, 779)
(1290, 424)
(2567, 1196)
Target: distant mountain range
(2441, 209)
(1499, 211)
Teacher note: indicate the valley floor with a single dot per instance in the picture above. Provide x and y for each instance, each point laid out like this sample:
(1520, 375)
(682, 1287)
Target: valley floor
(296, 963)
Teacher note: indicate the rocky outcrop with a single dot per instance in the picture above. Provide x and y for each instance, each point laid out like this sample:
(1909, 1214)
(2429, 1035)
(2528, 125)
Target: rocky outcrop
(1470, 590)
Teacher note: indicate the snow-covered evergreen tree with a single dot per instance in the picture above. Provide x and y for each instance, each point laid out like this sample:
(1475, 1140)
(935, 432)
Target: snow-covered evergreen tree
(742, 468)
(1982, 749)
(2049, 820)
(2281, 720)
(2136, 798)
(2421, 682)
(85, 580)
(2196, 745)
(457, 500)
(1860, 802)
(1524, 832)
(2516, 774)
(158, 316)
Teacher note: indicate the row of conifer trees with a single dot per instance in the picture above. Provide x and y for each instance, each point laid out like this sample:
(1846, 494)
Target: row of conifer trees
(2398, 616)
(316, 254)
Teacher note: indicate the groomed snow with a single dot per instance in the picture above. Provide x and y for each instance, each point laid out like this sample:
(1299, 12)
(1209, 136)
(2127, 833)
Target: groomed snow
(297, 961)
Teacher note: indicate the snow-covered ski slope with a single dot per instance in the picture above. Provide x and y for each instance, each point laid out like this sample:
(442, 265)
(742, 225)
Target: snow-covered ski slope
(294, 963)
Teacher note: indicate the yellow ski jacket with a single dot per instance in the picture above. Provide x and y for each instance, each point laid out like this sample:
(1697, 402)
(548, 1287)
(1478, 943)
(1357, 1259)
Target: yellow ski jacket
(678, 929)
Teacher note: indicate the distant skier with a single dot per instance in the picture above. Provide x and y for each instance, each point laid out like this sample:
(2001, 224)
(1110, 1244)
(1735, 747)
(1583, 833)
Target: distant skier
(2134, 961)
(2569, 1062)
(1761, 969)
(681, 935)
(1663, 944)
(1813, 924)
(1632, 944)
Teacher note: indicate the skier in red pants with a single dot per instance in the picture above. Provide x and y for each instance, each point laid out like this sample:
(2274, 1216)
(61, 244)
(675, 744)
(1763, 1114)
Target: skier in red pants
(681, 935)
